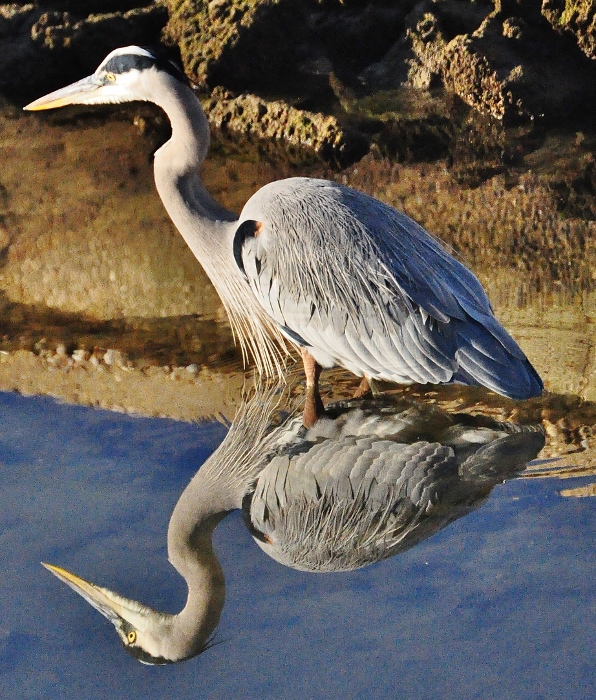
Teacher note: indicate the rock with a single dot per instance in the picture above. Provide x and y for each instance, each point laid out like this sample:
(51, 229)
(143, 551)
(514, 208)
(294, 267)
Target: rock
(393, 71)
(354, 35)
(115, 358)
(87, 7)
(42, 49)
(12, 18)
(108, 357)
(80, 355)
(251, 117)
(514, 60)
(273, 45)
(574, 17)
(95, 36)
(236, 43)
(415, 58)
(510, 67)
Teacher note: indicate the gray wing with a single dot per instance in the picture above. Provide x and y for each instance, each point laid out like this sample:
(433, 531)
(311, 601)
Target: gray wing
(373, 478)
(342, 504)
(369, 289)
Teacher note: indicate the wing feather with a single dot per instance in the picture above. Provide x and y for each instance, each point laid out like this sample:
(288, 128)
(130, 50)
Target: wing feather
(369, 289)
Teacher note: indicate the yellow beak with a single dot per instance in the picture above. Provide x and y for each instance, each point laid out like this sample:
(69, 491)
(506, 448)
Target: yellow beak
(108, 603)
(76, 93)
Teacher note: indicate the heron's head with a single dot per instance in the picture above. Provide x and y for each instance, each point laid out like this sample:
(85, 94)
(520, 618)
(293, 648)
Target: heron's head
(148, 635)
(125, 75)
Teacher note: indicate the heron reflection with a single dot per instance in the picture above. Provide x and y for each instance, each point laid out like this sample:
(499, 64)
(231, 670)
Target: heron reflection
(369, 480)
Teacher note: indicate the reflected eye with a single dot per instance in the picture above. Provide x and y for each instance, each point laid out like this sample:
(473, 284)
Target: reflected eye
(111, 77)
(132, 637)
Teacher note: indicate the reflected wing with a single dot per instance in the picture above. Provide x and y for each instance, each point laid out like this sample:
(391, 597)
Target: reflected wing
(341, 504)
(367, 288)
(367, 482)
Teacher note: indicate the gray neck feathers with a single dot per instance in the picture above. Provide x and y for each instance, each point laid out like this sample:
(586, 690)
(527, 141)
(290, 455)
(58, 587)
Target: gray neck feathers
(191, 552)
(178, 161)
(207, 227)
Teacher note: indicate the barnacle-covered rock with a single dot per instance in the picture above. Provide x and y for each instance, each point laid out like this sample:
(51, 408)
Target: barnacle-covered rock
(93, 37)
(236, 43)
(511, 66)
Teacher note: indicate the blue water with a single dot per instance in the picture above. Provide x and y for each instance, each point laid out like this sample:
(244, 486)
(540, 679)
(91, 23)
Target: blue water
(500, 604)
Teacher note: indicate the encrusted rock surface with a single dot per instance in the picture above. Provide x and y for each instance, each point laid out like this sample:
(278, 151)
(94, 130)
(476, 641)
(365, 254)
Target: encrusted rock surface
(252, 117)
(576, 17)
(510, 60)
(236, 42)
(509, 66)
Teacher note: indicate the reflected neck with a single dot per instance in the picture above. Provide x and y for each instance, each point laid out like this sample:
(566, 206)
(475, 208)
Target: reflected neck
(190, 550)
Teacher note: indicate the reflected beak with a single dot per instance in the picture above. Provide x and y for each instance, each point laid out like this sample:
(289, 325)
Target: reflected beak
(82, 92)
(115, 607)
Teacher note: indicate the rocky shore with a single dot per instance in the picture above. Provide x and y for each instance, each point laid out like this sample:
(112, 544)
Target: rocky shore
(330, 63)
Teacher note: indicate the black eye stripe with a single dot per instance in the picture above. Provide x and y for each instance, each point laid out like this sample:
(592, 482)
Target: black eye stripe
(124, 63)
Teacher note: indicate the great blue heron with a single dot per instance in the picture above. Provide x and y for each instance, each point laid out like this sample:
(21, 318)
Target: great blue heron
(367, 482)
(347, 279)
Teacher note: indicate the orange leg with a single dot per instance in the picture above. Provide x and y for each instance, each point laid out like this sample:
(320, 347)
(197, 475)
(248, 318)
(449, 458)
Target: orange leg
(313, 405)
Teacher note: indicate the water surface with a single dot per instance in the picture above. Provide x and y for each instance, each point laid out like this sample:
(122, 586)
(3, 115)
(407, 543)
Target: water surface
(501, 603)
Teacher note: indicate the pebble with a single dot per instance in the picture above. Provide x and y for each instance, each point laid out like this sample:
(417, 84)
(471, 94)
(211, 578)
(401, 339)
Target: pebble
(80, 355)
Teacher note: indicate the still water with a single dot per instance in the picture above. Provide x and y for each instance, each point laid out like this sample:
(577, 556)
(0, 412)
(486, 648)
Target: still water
(500, 603)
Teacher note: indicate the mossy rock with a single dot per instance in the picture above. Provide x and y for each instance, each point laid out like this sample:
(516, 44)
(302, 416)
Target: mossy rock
(298, 132)
(576, 17)
(237, 43)
(503, 67)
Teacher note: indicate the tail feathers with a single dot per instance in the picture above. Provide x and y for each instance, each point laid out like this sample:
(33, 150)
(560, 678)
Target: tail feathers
(484, 359)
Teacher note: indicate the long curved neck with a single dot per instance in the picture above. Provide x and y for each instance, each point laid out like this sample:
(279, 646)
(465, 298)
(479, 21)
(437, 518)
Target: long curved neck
(200, 219)
(207, 227)
(202, 505)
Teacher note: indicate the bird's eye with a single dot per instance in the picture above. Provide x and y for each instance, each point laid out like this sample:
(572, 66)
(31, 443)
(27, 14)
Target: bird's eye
(111, 77)
(132, 637)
